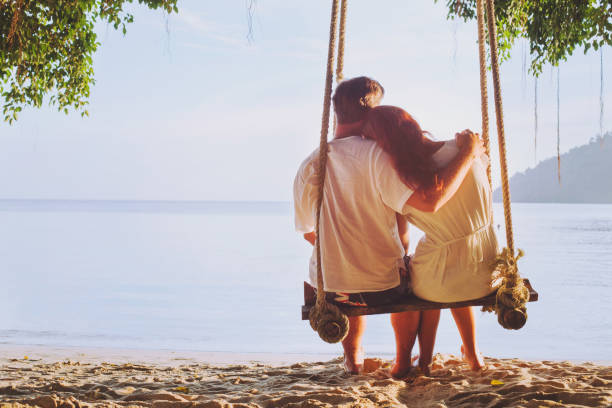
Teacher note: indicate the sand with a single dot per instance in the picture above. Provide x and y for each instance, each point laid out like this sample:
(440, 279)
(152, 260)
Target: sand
(86, 379)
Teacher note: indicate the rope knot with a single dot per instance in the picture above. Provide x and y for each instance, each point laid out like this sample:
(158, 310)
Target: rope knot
(329, 322)
(512, 295)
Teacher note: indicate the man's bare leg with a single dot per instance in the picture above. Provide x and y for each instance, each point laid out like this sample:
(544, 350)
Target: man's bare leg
(405, 326)
(427, 337)
(464, 319)
(353, 353)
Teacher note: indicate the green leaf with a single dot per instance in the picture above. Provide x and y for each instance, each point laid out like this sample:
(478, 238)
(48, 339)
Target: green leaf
(553, 28)
(51, 54)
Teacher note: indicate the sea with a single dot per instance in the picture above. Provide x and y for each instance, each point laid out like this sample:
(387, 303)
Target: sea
(227, 277)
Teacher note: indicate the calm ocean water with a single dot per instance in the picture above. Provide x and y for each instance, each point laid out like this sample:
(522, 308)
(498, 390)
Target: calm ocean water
(228, 277)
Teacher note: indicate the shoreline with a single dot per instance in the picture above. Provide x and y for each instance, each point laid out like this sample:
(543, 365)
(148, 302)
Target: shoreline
(54, 377)
(172, 357)
(176, 356)
(152, 356)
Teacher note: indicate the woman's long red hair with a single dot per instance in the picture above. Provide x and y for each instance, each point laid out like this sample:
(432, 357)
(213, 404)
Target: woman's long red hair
(398, 134)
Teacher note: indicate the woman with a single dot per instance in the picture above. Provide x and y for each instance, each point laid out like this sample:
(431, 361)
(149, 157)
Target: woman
(452, 262)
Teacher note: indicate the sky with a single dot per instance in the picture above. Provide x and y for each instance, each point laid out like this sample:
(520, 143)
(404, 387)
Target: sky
(190, 107)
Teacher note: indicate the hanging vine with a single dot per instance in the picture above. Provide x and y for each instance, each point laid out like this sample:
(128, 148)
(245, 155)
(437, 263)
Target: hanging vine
(558, 127)
(535, 119)
(523, 67)
(601, 96)
(250, 10)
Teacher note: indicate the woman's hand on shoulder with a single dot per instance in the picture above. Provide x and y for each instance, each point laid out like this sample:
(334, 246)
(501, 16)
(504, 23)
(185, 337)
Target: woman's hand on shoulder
(470, 143)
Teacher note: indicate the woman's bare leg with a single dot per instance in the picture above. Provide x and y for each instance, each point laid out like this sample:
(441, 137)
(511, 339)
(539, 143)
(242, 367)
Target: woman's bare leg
(405, 326)
(427, 337)
(464, 319)
(353, 352)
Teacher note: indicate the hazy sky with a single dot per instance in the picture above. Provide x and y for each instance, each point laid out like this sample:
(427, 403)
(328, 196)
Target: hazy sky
(186, 108)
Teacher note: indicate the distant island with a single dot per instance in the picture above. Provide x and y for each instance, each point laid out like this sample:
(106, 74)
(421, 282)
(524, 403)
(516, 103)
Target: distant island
(586, 177)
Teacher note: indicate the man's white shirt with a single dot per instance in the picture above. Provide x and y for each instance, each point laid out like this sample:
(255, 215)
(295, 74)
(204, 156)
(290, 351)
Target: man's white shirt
(360, 245)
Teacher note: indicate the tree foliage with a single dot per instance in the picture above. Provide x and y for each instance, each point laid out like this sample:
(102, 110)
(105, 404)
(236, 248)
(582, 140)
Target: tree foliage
(46, 49)
(553, 28)
(46, 46)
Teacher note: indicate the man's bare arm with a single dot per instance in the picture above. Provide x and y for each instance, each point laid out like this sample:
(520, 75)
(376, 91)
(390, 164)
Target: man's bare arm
(402, 229)
(451, 176)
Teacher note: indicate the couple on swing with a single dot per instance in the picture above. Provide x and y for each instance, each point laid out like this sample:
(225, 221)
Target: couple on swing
(384, 172)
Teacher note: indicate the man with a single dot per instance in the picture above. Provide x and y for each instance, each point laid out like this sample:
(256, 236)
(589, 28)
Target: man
(362, 252)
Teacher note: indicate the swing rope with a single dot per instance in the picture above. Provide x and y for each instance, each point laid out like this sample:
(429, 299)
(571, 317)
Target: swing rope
(325, 318)
(512, 295)
(499, 116)
(484, 97)
(340, 61)
(341, 40)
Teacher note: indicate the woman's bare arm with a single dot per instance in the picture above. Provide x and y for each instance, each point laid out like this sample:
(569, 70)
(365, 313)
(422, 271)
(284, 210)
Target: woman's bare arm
(451, 176)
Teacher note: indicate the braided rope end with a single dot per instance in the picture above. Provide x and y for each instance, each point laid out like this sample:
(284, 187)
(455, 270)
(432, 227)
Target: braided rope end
(329, 322)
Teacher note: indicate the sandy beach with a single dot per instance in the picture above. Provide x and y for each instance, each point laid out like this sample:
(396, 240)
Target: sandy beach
(96, 378)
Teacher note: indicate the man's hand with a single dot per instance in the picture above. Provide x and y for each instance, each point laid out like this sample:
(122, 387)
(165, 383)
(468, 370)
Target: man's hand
(470, 143)
(310, 237)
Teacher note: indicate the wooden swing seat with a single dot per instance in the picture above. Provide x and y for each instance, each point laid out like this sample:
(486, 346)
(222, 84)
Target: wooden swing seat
(410, 303)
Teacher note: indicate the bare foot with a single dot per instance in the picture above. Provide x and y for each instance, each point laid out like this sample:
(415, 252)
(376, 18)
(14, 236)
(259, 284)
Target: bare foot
(424, 366)
(425, 369)
(401, 369)
(475, 361)
(353, 362)
(399, 372)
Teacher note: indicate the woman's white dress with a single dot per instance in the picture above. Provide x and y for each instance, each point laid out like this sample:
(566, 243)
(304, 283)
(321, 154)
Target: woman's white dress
(452, 262)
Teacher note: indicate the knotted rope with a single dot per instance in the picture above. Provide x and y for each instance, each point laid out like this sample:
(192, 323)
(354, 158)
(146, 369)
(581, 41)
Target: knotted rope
(512, 295)
(325, 318)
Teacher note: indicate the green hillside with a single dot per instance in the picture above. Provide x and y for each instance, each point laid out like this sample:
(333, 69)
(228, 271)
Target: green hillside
(586, 177)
